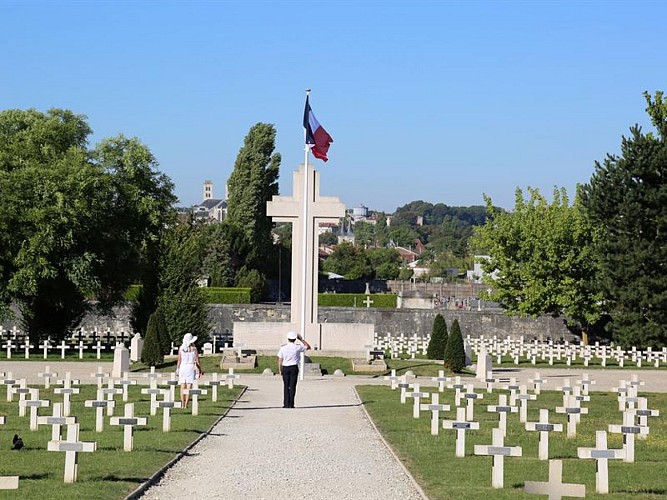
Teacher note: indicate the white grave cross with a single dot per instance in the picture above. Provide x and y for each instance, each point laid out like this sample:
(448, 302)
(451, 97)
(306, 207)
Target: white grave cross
(544, 428)
(128, 421)
(435, 408)
(602, 455)
(555, 487)
(628, 429)
(461, 426)
(56, 421)
(498, 451)
(72, 446)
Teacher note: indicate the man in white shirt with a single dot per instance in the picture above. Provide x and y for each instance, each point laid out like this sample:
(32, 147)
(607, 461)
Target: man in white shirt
(288, 365)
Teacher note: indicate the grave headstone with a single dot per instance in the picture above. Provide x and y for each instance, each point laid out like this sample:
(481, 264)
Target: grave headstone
(136, 346)
(121, 361)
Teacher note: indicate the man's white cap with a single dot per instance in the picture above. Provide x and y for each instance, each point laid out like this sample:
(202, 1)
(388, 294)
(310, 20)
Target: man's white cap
(291, 335)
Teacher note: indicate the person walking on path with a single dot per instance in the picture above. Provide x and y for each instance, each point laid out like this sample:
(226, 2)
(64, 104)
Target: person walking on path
(289, 356)
(187, 367)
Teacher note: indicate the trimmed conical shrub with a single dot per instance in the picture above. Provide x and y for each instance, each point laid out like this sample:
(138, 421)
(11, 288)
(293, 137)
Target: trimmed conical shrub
(162, 333)
(438, 344)
(455, 354)
(151, 354)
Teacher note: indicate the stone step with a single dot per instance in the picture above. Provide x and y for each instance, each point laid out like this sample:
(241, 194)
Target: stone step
(312, 370)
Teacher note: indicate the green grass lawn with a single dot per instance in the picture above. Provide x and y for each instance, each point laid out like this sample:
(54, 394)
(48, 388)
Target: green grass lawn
(431, 459)
(108, 473)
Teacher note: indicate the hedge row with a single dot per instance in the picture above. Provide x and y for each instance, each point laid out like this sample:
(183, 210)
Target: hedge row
(219, 295)
(212, 295)
(387, 300)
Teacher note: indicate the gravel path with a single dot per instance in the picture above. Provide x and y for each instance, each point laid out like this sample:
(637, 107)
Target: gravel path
(324, 449)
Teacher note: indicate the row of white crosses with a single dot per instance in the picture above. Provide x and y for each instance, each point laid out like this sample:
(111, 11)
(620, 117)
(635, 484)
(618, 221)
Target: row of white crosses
(104, 401)
(401, 345)
(549, 351)
(633, 407)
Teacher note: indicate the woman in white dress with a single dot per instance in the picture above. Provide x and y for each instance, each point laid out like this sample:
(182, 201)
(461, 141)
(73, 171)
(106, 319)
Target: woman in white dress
(187, 366)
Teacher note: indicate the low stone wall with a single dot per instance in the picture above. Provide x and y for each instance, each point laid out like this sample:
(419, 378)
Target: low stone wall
(388, 322)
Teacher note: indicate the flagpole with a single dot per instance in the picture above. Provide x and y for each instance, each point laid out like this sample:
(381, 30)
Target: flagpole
(304, 249)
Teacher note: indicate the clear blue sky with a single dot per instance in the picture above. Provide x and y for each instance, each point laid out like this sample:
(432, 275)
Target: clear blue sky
(438, 101)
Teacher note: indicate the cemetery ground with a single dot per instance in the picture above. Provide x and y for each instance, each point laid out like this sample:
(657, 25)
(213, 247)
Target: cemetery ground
(109, 472)
(432, 461)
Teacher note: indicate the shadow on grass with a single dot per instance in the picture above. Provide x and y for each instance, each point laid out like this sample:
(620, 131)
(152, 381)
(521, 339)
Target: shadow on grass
(38, 477)
(117, 479)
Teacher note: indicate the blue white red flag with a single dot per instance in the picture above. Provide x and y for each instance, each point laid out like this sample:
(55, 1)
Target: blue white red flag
(317, 138)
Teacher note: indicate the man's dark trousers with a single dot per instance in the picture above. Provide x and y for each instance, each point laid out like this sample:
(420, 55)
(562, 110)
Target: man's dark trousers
(290, 376)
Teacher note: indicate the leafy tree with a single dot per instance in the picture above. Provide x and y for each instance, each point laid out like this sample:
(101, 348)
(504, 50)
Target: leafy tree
(151, 354)
(455, 354)
(626, 200)
(381, 230)
(328, 239)
(385, 262)
(438, 344)
(349, 261)
(253, 279)
(223, 250)
(405, 273)
(252, 183)
(74, 223)
(403, 236)
(541, 260)
(364, 234)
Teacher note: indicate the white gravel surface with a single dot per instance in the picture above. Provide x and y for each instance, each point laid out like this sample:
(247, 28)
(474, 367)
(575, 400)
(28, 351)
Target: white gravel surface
(324, 449)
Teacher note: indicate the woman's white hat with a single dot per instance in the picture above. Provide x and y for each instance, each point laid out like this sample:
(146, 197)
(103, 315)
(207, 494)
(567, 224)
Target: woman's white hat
(188, 339)
(291, 335)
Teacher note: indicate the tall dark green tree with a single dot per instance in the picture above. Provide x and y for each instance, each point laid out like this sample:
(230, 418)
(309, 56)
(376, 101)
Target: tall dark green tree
(626, 199)
(180, 297)
(151, 354)
(438, 344)
(455, 354)
(74, 222)
(252, 183)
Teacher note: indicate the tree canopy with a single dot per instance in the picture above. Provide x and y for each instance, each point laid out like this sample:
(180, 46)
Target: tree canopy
(541, 260)
(74, 222)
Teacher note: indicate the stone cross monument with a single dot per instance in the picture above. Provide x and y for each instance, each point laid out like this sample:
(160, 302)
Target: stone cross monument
(305, 241)
(345, 339)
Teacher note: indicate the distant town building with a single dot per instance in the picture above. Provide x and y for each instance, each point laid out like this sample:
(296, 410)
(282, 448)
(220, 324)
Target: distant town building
(211, 209)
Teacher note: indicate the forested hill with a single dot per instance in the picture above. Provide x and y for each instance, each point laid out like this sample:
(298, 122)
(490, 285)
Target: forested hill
(444, 230)
(434, 215)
